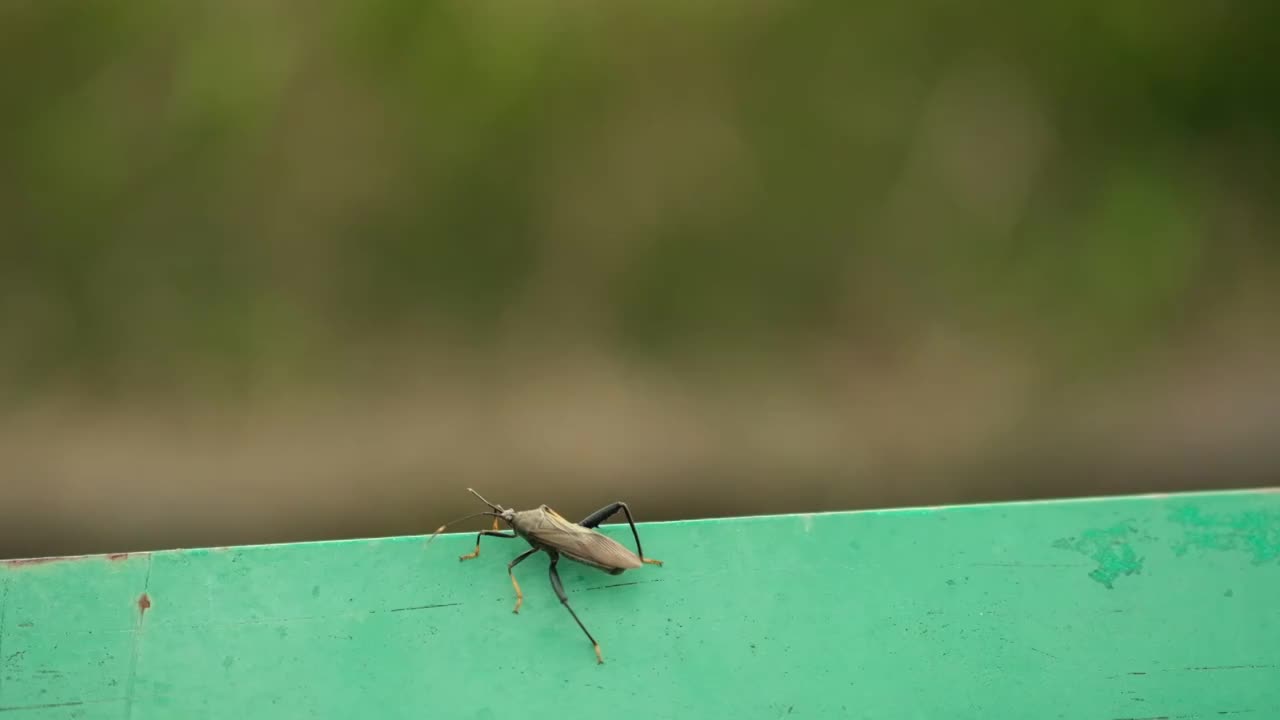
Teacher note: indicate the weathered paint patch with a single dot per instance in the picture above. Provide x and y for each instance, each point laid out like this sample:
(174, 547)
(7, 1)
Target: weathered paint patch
(144, 604)
(1110, 548)
(1256, 533)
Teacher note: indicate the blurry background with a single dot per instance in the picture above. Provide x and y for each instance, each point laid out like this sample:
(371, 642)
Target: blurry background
(284, 270)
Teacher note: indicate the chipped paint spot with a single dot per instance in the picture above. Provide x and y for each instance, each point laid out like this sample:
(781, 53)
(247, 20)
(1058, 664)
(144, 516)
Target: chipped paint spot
(1108, 547)
(1256, 533)
(144, 604)
(117, 557)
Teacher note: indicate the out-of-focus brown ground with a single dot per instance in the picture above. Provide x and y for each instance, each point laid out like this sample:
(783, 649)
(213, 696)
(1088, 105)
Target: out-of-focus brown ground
(270, 273)
(950, 424)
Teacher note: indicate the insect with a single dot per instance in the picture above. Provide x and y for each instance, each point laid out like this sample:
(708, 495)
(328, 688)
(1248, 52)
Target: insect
(547, 530)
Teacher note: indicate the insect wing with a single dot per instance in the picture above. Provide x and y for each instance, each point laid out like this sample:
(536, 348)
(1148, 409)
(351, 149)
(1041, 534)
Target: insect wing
(578, 543)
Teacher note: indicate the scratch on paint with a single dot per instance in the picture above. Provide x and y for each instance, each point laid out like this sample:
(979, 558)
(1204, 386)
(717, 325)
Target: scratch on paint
(50, 560)
(1192, 716)
(144, 602)
(1110, 548)
(4, 607)
(1233, 667)
(419, 607)
(1210, 667)
(46, 706)
(51, 706)
(1027, 565)
(614, 585)
(308, 618)
(29, 562)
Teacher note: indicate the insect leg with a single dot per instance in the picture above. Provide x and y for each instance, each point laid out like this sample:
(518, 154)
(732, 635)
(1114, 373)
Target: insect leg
(594, 519)
(564, 600)
(511, 572)
(481, 534)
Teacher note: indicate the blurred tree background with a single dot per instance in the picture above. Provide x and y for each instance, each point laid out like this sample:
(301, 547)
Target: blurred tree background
(285, 270)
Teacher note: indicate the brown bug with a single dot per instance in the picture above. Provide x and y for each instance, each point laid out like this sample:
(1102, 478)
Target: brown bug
(547, 530)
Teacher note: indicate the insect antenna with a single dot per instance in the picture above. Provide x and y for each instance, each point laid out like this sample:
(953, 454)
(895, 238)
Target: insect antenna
(473, 515)
(497, 508)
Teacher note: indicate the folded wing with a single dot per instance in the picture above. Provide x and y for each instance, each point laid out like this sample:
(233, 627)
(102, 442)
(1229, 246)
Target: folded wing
(582, 545)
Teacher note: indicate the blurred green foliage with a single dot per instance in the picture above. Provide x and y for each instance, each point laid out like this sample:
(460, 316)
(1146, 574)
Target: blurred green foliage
(215, 189)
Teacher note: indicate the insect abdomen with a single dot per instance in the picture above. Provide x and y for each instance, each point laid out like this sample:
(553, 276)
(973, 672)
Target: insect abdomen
(607, 555)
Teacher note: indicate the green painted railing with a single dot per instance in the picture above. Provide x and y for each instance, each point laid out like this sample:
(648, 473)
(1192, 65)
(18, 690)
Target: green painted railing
(1141, 607)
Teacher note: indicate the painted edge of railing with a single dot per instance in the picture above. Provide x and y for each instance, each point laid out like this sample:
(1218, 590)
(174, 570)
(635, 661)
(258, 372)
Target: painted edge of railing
(1137, 606)
(1188, 495)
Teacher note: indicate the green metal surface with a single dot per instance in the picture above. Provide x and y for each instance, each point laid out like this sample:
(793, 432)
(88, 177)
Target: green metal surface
(1120, 608)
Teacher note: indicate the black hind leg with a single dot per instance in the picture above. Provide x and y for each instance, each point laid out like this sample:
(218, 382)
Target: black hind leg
(594, 519)
(564, 600)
